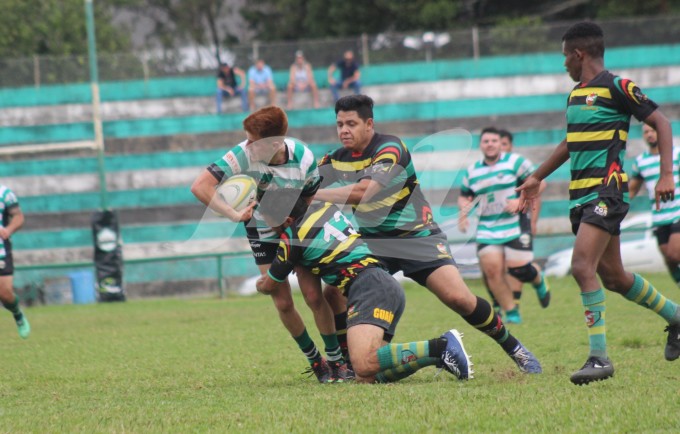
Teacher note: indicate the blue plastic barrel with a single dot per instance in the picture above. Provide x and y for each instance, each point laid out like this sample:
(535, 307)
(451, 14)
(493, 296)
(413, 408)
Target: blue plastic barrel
(82, 283)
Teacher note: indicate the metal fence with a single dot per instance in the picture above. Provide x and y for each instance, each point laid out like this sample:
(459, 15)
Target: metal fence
(472, 42)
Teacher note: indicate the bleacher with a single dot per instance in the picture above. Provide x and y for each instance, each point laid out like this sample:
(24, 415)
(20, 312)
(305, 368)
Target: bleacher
(159, 134)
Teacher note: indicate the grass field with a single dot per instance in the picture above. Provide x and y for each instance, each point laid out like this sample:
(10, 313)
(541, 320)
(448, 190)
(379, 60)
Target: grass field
(209, 365)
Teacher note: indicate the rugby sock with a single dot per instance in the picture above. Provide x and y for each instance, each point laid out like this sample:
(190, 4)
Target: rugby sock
(517, 296)
(484, 319)
(643, 293)
(307, 346)
(541, 288)
(14, 308)
(333, 353)
(593, 302)
(398, 361)
(341, 333)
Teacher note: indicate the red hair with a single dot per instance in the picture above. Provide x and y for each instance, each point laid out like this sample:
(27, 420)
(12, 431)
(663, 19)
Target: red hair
(268, 121)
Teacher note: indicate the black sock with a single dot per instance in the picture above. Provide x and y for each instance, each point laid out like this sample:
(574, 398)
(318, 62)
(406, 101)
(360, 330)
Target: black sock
(484, 319)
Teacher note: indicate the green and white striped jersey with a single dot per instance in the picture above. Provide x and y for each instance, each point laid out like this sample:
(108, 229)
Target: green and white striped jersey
(646, 167)
(299, 171)
(494, 185)
(8, 200)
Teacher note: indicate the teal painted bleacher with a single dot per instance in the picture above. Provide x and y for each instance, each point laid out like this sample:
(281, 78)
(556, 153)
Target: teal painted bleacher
(495, 66)
(421, 111)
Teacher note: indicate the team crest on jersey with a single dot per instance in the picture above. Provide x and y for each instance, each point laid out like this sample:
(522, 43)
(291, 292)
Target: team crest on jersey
(601, 209)
(442, 249)
(525, 240)
(590, 99)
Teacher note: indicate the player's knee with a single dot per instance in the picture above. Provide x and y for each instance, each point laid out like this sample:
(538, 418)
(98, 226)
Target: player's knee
(525, 273)
(283, 303)
(673, 256)
(361, 365)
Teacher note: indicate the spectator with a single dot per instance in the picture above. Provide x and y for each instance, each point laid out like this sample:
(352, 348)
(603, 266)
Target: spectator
(260, 81)
(349, 75)
(227, 86)
(302, 79)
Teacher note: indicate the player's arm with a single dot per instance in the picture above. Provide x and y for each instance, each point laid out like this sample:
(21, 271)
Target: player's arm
(634, 186)
(530, 188)
(464, 207)
(16, 221)
(352, 194)
(204, 190)
(665, 187)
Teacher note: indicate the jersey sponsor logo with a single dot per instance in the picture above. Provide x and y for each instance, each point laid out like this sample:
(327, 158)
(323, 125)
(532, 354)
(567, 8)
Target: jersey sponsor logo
(590, 99)
(601, 209)
(382, 314)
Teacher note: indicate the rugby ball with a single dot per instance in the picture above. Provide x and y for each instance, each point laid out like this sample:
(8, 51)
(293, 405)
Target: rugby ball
(238, 191)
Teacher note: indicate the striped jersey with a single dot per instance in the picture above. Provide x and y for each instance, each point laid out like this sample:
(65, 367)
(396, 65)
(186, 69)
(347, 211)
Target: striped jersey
(8, 200)
(299, 171)
(323, 241)
(598, 119)
(494, 185)
(646, 167)
(399, 209)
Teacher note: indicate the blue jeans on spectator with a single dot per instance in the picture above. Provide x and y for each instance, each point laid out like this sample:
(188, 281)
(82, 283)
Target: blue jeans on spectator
(355, 85)
(237, 92)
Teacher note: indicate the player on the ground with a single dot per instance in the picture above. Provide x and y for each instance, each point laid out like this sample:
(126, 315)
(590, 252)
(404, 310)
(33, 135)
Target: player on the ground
(321, 239)
(376, 176)
(275, 162)
(598, 118)
(501, 246)
(11, 220)
(666, 220)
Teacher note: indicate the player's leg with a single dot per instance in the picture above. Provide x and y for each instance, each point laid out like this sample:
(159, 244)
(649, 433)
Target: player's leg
(338, 304)
(492, 263)
(591, 242)
(310, 287)
(516, 288)
(377, 302)
(518, 258)
(447, 284)
(11, 302)
(668, 237)
(494, 302)
(638, 290)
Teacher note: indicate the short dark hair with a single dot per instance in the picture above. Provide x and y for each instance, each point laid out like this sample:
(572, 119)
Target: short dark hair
(586, 36)
(506, 133)
(492, 130)
(362, 104)
(283, 203)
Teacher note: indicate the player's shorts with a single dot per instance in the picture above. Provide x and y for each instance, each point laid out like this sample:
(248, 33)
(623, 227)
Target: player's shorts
(606, 213)
(7, 264)
(264, 251)
(375, 297)
(520, 249)
(417, 258)
(663, 233)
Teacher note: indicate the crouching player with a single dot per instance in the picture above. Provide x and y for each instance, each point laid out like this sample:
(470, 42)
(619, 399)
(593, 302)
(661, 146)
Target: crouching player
(319, 237)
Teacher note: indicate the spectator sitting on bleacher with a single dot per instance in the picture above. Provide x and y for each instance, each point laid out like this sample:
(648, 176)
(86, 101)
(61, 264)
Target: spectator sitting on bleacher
(301, 80)
(349, 75)
(260, 81)
(227, 86)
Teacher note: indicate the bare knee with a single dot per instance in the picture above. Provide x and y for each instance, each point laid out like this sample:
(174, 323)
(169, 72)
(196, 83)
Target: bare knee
(335, 299)
(283, 301)
(363, 367)
(582, 270)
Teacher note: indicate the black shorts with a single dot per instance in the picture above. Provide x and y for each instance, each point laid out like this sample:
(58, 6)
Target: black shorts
(375, 297)
(606, 213)
(264, 251)
(663, 233)
(7, 264)
(416, 257)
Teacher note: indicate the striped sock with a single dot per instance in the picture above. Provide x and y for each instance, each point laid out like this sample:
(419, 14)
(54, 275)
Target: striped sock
(593, 302)
(484, 319)
(307, 346)
(398, 361)
(643, 293)
(332, 348)
(341, 333)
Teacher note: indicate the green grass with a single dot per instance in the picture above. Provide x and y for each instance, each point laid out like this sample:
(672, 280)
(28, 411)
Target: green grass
(208, 365)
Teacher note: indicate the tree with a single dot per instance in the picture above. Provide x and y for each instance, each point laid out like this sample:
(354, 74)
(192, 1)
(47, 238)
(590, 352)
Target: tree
(57, 27)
